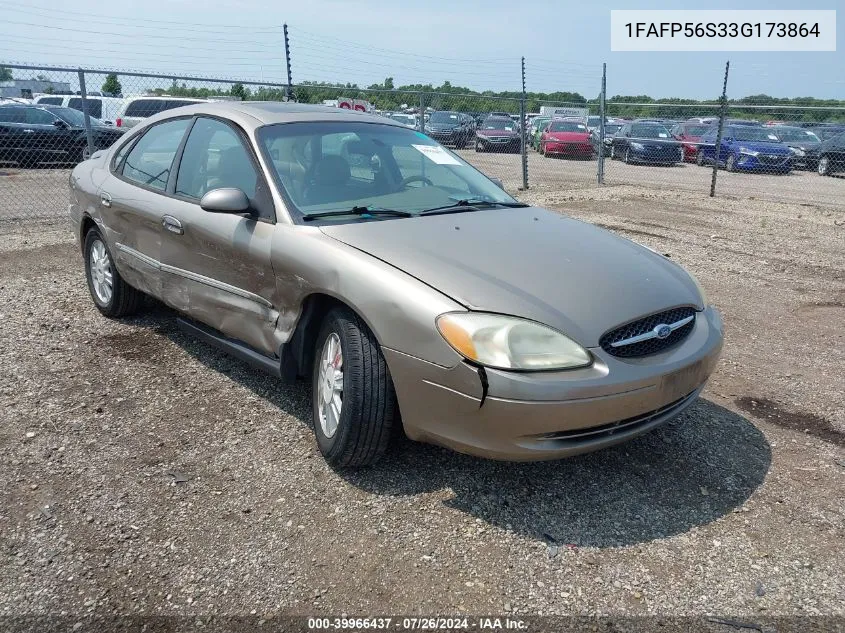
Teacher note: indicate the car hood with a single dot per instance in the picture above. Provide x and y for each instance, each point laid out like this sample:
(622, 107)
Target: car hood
(571, 137)
(803, 144)
(764, 148)
(531, 263)
(655, 141)
(442, 126)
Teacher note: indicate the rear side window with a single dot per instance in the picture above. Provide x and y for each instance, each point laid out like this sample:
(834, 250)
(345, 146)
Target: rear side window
(150, 161)
(12, 115)
(177, 103)
(95, 106)
(145, 107)
(36, 116)
(51, 101)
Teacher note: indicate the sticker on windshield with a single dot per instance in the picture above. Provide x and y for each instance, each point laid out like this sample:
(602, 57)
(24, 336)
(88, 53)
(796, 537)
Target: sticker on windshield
(772, 137)
(436, 154)
(809, 133)
(662, 135)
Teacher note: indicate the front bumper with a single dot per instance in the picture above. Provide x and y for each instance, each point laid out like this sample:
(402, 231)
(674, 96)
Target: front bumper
(499, 145)
(549, 415)
(657, 157)
(582, 150)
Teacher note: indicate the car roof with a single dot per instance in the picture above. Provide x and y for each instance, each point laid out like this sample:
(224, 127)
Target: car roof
(258, 113)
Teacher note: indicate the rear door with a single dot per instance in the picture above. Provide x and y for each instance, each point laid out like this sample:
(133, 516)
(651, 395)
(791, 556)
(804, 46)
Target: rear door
(133, 200)
(12, 137)
(216, 266)
(52, 142)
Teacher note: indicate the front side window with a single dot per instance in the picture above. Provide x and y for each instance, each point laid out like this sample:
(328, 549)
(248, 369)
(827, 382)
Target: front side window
(151, 159)
(324, 166)
(35, 116)
(95, 106)
(214, 157)
(12, 115)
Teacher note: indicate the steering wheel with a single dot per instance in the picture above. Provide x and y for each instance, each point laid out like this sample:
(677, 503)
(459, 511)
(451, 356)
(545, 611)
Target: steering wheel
(417, 178)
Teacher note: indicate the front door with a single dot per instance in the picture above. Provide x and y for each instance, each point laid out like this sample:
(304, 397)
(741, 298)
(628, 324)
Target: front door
(216, 266)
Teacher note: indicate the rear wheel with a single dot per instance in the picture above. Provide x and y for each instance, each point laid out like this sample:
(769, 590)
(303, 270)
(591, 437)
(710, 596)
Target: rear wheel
(823, 168)
(627, 155)
(730, 163)
(354, 402)
(111, 294)
(479, 146)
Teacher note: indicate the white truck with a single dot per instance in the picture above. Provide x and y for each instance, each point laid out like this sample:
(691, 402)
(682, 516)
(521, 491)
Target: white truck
(556, 111)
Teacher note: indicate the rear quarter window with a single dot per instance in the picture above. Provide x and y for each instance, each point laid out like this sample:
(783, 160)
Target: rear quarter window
(51, 101)
(146, 107)
(95, 106)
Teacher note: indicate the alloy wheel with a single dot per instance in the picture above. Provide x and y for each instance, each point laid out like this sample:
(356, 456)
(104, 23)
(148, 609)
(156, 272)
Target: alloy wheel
(101, 273)
(330, 386)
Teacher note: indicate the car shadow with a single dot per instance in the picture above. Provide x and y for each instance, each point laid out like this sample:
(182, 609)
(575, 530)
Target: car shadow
(688, 473)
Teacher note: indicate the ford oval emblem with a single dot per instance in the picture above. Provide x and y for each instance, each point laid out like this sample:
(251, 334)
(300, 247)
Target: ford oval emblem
(662, 331)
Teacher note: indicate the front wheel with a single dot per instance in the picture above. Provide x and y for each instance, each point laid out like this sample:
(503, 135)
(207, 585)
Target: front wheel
(479, 146)
(354, 402)
(612, 152)
(823, 168)
(730, 163)
(628, 156)
(111, 294)
(699, 158)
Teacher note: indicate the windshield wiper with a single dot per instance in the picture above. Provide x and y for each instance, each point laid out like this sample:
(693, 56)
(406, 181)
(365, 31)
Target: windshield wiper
(470, 204)
(360, 211)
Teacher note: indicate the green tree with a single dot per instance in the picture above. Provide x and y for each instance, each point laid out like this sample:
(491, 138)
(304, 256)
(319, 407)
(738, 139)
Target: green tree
(5, 74)
(238, 90)
(111, 85)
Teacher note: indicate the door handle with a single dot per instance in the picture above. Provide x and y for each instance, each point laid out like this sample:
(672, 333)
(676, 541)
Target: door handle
(172, 224)
(105, 199)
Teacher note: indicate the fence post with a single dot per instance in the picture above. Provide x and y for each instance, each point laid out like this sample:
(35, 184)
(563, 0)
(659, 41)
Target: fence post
(722, 112)
(601, 122)
(288, 88)
(522, 132)
(422, 112)
(84, 93)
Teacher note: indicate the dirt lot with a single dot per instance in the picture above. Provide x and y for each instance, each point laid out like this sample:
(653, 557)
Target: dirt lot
(143, 472)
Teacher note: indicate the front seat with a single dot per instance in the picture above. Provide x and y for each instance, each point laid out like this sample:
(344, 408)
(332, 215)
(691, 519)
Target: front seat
(328, 181)
(234, 169)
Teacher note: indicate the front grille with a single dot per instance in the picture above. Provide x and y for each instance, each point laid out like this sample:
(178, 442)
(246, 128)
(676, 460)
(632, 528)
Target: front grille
(628, 424)
(642, 326)
(768, 159)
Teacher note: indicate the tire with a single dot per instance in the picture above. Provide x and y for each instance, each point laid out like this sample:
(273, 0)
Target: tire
(123, 300)
(627, 155)
(730, 163)
(823, 168)
(82, 154)
(367, 399)
(612, 152)
(699, 158)
(479, 146)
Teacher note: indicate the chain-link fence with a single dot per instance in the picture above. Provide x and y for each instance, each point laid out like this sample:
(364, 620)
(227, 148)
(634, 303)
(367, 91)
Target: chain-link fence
(51, 118)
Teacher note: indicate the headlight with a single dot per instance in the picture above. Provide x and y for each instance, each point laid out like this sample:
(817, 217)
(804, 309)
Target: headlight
(505, 342)
(748, 152)
(638, 146)
(480, 135)
(797, 151)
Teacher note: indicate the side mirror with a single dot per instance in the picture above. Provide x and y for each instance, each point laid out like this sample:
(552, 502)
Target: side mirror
(60, 124)
(498, 183)
(225, 200)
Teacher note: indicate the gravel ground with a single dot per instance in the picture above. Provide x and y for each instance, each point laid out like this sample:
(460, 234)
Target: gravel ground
(142, 472)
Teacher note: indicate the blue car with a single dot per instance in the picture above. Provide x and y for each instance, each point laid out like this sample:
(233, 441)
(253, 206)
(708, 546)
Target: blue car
(746, 148)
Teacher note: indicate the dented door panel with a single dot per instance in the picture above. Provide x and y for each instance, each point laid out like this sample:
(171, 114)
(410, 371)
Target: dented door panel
(217, 270)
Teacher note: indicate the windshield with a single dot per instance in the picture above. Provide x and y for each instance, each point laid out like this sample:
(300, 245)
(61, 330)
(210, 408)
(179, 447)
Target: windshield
(829, 132)
(567, 126)
(611, 128)
(540, 122)
(649, 130)
(498, 124)
(445, 117)
(749, 133)
(328, 166)
(404, 118)
(695, 130)
(796, 134)
(74, 117)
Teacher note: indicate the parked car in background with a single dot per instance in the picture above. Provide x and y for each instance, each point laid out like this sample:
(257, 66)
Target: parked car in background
(408, 120)
(535, 130)
(803, 143)
(825, 132)
(645, 142)
(832, 155)
(603, 144)
(450, 128)
(32, 134)
(566, 137)
(525, 335)
(498, 134)
(746, 148)
(133, 110)
(106, 109)
(689, 133)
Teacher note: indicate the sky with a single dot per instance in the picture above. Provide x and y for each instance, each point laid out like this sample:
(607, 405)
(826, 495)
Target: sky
(473, 44)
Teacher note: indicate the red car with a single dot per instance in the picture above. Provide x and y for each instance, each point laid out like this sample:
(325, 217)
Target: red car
(691, 132)
(566, 138)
